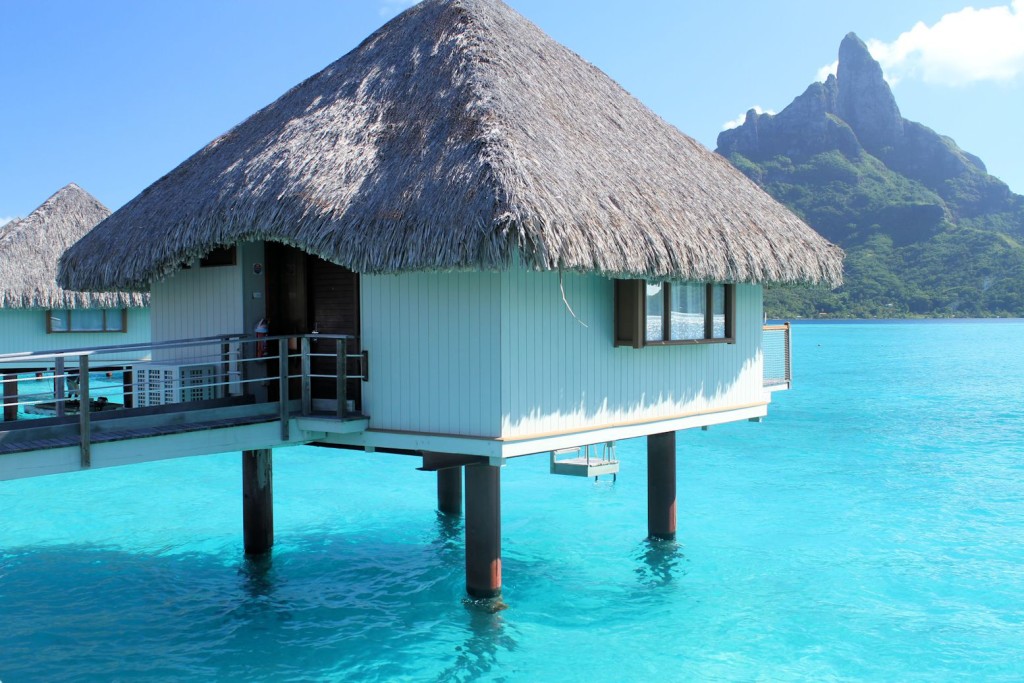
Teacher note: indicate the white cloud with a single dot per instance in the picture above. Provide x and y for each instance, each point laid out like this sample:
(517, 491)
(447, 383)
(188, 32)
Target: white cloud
(828, 70)
(960, 48)
(389, 8)
(738, 121)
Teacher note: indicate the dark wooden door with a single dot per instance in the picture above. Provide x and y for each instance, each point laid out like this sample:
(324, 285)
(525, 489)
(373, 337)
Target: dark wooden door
(333, 295)
(307, 294)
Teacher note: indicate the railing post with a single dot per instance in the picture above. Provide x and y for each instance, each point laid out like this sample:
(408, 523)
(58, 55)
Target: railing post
(83, 409)
(58, 385)
(225, 368)
(342, 379)
(307, 394)
(10, 396)
(128, 388)
(282, 379)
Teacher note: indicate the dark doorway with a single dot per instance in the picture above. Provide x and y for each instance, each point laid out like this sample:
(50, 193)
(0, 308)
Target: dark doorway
(308, 294)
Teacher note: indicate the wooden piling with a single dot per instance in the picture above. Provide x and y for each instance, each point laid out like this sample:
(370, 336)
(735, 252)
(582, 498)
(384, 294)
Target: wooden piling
(483, 531)
(10, 397)
(449, 490)
(661, 485)
(257, 501)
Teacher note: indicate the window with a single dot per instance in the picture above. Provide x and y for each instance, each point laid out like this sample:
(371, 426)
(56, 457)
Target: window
(221, 256)
(87, 320)
(673, 312)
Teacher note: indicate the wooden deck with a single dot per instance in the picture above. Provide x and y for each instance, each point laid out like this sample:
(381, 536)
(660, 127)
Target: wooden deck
(229, 396)
(52, 445)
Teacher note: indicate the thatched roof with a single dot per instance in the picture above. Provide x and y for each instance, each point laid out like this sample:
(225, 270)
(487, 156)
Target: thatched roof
(30, 248)
(455, 137)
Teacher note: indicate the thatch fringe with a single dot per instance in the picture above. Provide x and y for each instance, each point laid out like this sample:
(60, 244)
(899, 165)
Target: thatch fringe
(455, 137)
(30, 248)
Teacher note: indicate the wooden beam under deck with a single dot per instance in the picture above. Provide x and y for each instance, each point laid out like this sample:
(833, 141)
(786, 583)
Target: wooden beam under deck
(497, 449)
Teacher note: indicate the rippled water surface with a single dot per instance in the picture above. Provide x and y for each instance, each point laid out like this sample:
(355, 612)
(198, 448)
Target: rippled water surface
(871, 529)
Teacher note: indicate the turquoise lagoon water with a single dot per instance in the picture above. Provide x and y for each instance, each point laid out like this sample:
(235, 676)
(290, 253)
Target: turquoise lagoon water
(871, 529)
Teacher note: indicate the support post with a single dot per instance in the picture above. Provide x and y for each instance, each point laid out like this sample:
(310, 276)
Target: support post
(224, 380)
(661, 485)
(59, 386)
(483, 531)
(341, 376)
(10, 397)
(257, 501)
(84, 423)
(449, 490)
(282, 387)
(307, 391)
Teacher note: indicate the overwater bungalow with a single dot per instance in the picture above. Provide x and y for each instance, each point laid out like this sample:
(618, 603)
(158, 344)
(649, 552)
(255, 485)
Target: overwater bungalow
(459, 242)
(36, 313)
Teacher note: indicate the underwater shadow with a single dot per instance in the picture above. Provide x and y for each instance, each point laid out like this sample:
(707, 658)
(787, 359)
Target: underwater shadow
(659, 562)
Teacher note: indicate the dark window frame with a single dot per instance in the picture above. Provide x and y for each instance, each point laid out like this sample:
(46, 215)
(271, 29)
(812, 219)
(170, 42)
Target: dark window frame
(631, 315)
(107, 313)
(220, 256)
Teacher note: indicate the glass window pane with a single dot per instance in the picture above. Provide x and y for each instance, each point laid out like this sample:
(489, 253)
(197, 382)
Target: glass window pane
(115, 321)
(655, 311)
(87, 320)
(718, 312)
(58, 321)
(688, 303)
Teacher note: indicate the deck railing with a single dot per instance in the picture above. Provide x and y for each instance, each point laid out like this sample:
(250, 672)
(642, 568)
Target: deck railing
(182, 375)
(776, 348)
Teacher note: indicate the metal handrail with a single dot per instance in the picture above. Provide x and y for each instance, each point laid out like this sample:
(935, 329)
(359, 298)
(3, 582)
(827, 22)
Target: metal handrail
(239, 362)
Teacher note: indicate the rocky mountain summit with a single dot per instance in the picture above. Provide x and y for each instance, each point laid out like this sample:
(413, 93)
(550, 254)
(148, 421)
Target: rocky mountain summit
(927, 230)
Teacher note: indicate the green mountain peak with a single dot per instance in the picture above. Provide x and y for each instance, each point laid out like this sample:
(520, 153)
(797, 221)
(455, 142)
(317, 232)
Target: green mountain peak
(926, 229)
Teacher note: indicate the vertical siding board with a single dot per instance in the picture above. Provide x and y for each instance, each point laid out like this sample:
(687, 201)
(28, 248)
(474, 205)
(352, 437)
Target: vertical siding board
(543, 359)
(470, 351)
(419, 410)
(425, 351)
(445, 332)
(504, 349)
(410, 358)
(489, 386)
(491, 419)
(461, 344)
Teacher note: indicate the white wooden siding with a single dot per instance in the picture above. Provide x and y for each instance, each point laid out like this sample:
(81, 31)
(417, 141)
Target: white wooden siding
(432, 340)
(197, 302)
(25, 330)
(500, 355)
(559, 375)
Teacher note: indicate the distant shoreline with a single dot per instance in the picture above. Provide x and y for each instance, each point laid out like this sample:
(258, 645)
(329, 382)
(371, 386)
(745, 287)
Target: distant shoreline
(887, 321)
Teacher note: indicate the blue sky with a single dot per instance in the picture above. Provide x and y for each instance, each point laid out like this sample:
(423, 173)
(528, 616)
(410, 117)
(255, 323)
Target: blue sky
(112, 94)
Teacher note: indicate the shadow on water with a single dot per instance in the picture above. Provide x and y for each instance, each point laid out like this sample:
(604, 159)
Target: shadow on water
(659, 562)
(487, 636)
(256, 574)
(449, 539)
(319, 603)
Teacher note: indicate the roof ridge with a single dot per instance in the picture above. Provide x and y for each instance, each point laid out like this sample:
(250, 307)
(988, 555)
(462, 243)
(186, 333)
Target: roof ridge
(460, 136)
